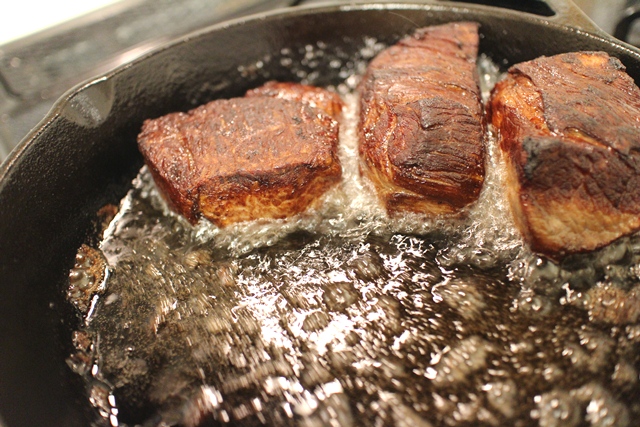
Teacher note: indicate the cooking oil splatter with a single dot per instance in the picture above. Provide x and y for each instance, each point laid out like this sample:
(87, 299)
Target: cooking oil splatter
(343, 317)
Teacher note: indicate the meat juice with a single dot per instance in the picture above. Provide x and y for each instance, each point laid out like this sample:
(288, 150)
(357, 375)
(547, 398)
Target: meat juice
(343, 316)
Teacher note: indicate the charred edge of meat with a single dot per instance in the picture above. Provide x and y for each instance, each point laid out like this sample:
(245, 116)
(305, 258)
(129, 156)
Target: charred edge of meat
(244, 158)
(582, 191)
(421, 124)
(571, 183)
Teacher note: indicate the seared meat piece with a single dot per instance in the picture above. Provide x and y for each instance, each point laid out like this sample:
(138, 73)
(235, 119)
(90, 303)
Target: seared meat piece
(329, 102)
(241, 159)
(421, 126)
(568, 127)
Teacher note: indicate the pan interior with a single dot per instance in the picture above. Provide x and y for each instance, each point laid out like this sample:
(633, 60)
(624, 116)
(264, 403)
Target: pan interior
(59, 180)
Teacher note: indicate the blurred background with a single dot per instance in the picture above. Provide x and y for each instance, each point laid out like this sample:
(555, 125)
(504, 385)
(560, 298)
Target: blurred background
(48, 47)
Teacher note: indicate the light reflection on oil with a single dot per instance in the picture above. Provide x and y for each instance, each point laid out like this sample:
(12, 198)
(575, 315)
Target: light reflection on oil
(341, 317)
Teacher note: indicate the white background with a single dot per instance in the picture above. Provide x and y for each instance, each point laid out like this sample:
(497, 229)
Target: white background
(19, 18)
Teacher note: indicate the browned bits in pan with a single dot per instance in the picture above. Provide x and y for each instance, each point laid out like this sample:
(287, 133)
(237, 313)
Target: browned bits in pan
(87, 277)
(362, 322)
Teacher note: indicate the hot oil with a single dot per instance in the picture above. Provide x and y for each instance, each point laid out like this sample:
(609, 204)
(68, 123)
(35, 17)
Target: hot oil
(344, 317)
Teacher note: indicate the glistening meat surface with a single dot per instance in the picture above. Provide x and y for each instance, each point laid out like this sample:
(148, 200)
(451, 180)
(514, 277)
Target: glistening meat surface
(568, 128)
(244, 158)
(421, 121)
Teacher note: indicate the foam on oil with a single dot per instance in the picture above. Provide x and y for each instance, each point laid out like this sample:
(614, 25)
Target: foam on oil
(344, 316)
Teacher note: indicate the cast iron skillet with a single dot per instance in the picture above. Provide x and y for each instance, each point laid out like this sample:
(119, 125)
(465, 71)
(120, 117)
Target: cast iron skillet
(84, 155)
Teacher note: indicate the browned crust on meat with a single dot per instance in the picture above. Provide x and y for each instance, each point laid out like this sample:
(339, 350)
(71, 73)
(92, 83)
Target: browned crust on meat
(328, 102)
(242, 159)
(421, 125)
(568, 128)
(290, 191)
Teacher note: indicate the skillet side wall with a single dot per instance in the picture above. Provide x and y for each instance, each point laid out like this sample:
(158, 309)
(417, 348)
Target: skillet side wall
(86, 157)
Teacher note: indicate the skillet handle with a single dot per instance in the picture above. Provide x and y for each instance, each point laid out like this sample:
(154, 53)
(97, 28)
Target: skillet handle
(623, 27)
(566, 11)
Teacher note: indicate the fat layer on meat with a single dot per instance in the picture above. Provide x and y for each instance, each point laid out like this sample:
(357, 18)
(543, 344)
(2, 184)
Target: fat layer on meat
(421, 124)
(568, 127)
(243, 158)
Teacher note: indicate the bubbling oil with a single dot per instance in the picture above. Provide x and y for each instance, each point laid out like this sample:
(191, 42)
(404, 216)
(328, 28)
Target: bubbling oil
(342, 316)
